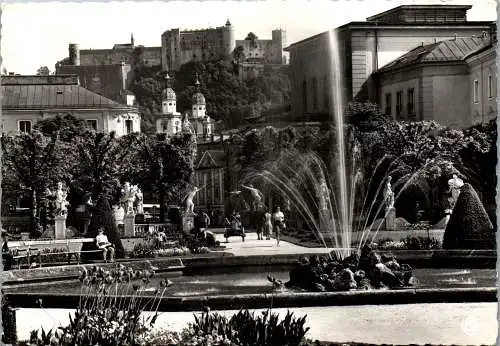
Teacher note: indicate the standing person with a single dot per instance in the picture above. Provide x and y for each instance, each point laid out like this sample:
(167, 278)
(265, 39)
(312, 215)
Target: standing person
(268, 224)
(279, 224)
(6, 253)
(104, 244)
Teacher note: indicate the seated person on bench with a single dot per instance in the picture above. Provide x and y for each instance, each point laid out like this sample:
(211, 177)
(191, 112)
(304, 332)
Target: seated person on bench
(104, 244)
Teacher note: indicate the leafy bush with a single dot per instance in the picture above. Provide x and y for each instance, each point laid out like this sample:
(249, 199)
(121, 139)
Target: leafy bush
(244, 328)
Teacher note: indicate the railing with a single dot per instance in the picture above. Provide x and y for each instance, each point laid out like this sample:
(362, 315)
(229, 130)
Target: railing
(172, 232)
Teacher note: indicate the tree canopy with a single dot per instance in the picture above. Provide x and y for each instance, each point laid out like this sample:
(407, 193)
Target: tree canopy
(229, 98)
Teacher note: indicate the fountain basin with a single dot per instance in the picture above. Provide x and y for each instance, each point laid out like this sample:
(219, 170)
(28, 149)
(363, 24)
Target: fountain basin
(276, 300)
(415, 258)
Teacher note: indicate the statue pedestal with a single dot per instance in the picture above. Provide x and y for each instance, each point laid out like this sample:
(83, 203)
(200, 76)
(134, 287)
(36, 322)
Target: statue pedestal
(390, 219)
(187, 222)
(60, 227)
(129, 225)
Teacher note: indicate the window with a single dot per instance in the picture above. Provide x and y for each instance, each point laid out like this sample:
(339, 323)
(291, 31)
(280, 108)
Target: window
(399, 105)
(24, 126)
(388, 104)
(314, 83)
(490, 86)
(411, 101)
(129, 127)
(92, 123)
(476, 91)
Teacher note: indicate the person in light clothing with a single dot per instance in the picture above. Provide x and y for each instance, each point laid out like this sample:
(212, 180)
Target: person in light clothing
(104, 244)
(279, 224)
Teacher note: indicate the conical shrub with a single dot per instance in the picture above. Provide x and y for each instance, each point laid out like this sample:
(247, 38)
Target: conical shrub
(102, 216)
(469, 226)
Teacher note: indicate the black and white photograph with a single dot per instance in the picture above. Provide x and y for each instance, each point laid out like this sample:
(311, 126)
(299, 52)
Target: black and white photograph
(249, 173)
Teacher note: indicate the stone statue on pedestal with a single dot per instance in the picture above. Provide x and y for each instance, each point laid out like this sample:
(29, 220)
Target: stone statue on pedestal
(129, 196)
(139, 202)
(389, 194)
(61, 203)
(189, 200)
(324, 195)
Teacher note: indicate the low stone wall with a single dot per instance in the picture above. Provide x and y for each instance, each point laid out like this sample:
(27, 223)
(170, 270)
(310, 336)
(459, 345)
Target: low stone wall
(279, 299)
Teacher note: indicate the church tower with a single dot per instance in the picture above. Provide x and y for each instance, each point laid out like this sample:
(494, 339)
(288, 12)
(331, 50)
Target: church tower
(169, 121)
(202, 124)
(198, 102)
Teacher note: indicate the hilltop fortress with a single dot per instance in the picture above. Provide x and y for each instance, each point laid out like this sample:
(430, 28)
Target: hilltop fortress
(181, 46)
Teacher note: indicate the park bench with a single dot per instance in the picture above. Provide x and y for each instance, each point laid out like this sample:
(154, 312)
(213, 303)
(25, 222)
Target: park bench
(21, 252)
(70, 254)
(232, 232)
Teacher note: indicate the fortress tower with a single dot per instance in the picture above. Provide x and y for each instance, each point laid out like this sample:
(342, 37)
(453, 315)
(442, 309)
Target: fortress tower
(179, 47)
(228, 39)
(74, 54)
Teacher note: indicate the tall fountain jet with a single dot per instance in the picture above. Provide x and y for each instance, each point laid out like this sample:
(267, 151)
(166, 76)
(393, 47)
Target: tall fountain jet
(336, 109)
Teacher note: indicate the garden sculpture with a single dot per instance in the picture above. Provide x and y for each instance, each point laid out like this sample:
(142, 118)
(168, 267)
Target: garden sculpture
(389, 194)
(129, 196)
(189, 200)
(256, 196)
(324, 195)
(139, 202)
(60, 201)
(455, 184)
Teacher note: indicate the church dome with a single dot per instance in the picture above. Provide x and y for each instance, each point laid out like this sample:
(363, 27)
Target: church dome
(169, 94)
(198, 99)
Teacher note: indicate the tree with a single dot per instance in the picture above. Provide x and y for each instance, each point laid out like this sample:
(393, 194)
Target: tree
(163, 167)
(101, 160)
(67, 127)
(32, 163)
(63, 62)
(43, 71)
(239, 53)
(102, 216)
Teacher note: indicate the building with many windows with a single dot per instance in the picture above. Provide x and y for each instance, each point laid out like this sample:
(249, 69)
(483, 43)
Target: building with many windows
(28, 99)
(364, 47)
(109, 72)
(450, 81)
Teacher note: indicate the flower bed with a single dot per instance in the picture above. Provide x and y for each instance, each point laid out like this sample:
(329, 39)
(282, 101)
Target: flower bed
(104, 318)
(145, 250)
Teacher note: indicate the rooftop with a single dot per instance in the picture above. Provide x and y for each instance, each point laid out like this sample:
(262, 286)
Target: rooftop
(427, 13)
(457, 49)
(42, 92)
(62, 79)
(409, 17)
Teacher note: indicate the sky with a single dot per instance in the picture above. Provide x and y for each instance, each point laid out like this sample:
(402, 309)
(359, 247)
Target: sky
(38, 34)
